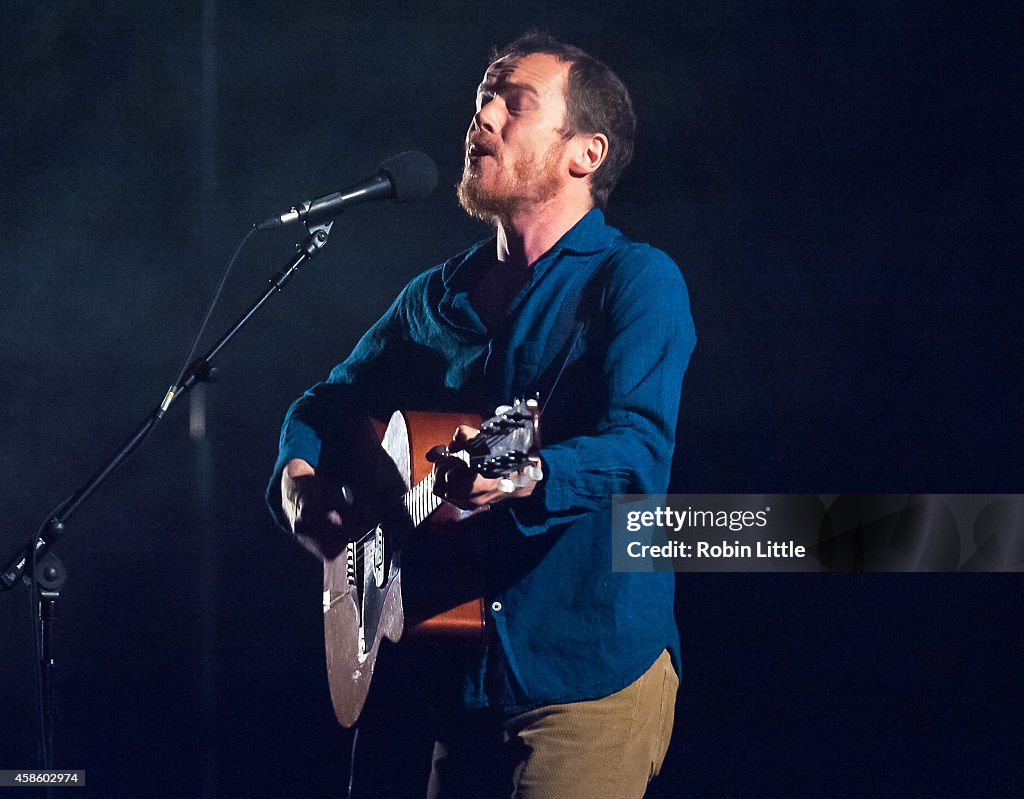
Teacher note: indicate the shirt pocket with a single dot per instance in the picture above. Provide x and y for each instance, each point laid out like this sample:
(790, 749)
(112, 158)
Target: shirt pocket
(537, 364)
(526, 366)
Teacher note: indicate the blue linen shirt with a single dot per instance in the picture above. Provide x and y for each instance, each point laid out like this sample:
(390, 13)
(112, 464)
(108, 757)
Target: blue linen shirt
(612, 316)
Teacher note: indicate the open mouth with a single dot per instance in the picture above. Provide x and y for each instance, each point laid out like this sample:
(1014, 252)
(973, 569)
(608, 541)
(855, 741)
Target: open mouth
(478, 150)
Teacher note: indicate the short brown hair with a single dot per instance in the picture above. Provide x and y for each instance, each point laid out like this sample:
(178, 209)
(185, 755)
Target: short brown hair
(596, 102)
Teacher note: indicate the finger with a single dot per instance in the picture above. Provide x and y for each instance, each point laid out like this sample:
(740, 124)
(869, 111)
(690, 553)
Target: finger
(459, 481)
(463, 435)
(486, 491)
(447, 484)
(437, 454)
(321, 503)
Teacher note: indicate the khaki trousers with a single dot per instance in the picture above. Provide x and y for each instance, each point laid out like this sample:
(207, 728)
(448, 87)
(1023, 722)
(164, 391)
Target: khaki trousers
(608, 748)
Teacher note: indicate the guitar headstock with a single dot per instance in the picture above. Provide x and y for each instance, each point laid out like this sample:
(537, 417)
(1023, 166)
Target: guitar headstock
(508, 442)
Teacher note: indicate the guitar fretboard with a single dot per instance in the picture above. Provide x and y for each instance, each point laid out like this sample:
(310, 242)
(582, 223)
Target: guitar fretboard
(420, 500)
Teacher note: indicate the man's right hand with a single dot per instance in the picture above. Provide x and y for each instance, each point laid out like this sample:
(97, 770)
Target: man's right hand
(315, 509)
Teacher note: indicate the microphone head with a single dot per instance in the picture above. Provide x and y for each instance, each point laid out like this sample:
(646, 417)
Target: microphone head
(413, 175)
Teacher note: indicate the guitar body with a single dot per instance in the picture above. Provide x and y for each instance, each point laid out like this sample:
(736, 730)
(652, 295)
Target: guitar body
(363, 586)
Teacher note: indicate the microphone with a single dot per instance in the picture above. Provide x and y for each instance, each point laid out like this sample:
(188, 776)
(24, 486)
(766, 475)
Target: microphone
(407, 176)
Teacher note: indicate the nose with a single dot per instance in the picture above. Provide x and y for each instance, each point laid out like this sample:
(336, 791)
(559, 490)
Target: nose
(489, 116)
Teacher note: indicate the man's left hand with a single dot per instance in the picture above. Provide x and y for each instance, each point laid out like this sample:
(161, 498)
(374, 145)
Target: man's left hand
(458, 484)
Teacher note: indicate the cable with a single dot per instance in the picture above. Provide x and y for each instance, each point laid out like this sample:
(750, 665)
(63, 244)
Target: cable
(352, 763)
(213, 304)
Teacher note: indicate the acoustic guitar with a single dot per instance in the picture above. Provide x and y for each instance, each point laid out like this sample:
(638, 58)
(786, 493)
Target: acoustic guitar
(363, 601)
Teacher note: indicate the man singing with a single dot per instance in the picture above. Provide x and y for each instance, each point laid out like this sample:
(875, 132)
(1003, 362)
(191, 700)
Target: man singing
(573, 693)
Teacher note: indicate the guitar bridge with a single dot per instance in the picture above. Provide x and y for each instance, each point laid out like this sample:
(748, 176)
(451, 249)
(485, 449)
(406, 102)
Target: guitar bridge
(350, 564)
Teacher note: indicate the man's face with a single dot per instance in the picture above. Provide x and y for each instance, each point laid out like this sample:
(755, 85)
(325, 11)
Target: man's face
(515, 148)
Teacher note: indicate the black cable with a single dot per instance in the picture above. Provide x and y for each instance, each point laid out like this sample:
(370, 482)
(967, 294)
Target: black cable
(352, 762)
(576, 338)
(213, 304)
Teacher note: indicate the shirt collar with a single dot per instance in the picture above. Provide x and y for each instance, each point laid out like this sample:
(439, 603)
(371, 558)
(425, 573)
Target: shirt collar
(586, 237)
(454, 277)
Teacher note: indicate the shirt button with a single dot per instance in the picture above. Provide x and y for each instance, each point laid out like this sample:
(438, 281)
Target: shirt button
(496, 607)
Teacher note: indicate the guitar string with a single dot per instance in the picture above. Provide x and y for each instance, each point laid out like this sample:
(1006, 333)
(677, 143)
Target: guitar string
(420, 501)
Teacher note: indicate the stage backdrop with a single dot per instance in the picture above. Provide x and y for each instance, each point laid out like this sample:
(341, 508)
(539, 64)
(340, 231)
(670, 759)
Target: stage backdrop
(840, 185)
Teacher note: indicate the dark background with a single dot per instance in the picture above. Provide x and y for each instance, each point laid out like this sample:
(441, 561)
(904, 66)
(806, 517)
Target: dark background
(840, 185)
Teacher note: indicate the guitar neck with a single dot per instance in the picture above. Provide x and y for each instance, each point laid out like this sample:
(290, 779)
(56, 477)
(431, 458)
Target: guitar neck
(420, 500)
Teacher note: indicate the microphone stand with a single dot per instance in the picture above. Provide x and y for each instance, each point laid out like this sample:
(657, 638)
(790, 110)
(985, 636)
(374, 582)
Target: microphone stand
(50, 574)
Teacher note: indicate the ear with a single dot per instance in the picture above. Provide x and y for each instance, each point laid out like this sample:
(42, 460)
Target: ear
(589, 152)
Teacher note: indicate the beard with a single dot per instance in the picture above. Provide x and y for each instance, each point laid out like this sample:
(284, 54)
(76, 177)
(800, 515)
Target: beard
(532, 180)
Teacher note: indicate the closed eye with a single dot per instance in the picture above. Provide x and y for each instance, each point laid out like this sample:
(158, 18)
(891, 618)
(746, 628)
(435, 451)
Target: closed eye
(518, 98)
(483, 98)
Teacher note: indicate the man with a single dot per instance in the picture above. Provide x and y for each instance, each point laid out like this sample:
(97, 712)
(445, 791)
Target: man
(573, 694)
